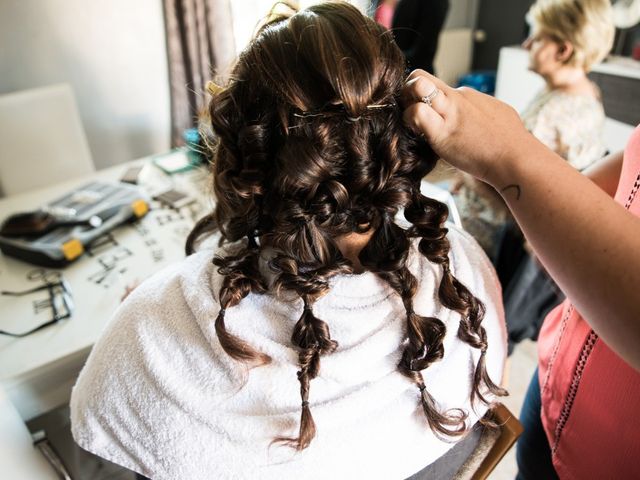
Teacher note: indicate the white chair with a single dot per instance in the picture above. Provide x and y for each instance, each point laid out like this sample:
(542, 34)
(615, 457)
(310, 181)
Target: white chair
(18, 457)
(42, 140)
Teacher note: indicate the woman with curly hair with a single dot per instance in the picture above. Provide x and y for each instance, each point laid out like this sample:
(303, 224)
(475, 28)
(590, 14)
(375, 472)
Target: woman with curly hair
(340, 330)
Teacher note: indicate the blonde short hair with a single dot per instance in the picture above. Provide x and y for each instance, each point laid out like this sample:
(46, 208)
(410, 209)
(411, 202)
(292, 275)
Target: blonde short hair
(586, 24)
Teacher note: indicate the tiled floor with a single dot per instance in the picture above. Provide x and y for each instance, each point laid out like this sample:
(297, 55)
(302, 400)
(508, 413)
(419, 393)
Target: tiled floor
(522, 363)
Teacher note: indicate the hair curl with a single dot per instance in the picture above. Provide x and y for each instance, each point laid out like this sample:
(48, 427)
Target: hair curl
(311, 146)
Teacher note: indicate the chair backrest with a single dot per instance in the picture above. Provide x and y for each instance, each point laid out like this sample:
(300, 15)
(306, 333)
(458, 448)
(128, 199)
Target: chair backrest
(475, 456)
(494, 443)
(42, 140)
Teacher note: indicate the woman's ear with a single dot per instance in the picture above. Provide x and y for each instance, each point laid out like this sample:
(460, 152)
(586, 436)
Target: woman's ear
(565, 52)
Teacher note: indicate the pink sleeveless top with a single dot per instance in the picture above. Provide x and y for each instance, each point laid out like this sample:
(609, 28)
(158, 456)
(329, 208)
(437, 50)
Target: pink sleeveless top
(590, 396)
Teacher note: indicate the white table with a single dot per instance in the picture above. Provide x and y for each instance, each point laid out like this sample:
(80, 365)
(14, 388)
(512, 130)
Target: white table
(37, 371)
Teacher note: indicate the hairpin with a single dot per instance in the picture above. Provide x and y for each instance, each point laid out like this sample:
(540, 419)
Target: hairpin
(382, 105)
(213, 88)
(305, 115)
(351, 119)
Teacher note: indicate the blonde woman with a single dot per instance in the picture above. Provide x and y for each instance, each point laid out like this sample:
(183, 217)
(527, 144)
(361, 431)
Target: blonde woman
(568, 37)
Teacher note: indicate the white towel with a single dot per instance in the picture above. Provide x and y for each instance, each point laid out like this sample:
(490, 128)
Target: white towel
(158, 394)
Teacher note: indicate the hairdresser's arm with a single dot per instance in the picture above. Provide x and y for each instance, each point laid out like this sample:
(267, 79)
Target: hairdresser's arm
(606, 173)
(588, 243)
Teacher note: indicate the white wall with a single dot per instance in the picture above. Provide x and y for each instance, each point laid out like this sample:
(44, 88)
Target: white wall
(113, 54)
(454, 55)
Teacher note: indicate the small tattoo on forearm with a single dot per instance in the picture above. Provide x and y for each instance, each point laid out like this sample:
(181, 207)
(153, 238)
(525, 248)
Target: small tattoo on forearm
(516, 187)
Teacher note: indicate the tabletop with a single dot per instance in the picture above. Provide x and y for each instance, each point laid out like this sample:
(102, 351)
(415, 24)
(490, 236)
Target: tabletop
(97, 280)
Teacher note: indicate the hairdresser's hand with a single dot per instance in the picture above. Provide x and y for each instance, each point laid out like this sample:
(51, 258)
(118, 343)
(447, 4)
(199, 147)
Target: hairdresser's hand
(470, 130)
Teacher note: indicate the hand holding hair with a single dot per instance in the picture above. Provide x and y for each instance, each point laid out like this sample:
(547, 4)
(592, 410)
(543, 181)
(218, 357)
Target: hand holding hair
(472, 131)
(588, 243)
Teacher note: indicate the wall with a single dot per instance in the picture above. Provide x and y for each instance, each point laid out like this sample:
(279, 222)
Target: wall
(453, 58)
(112, 52)
(462, 14)
(455, 48)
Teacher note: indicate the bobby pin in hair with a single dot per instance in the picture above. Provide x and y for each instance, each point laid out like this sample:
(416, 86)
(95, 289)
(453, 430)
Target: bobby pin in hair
(353, 119)
(382, 105)
(307, 114)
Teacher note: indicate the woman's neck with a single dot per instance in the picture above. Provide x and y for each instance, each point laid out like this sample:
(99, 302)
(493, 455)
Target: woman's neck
(571, 80)
(350, 246)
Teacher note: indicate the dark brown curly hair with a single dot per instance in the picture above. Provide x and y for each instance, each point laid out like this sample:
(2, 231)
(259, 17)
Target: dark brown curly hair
(310, 146)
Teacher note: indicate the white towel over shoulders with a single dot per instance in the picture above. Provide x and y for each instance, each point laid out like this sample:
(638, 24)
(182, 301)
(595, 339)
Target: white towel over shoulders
(158, 394)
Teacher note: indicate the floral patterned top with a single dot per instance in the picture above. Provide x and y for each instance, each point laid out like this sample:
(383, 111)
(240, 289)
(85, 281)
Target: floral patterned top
(571, 125)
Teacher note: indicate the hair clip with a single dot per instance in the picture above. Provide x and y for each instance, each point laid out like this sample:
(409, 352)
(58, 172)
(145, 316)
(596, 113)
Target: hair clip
(333, 113)
(383, 105)
(307, 114)
(213, 88)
